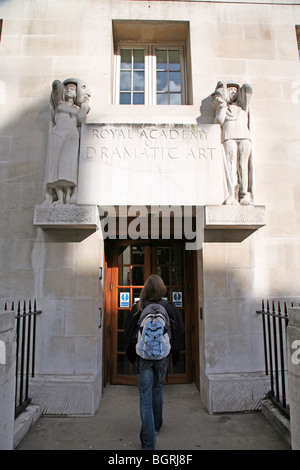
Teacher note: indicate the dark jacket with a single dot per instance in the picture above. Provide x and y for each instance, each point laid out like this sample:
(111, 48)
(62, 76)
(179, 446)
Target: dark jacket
(177, 329)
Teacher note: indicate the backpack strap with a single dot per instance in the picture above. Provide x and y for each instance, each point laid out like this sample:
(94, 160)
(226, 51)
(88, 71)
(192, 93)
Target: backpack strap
(162, 302)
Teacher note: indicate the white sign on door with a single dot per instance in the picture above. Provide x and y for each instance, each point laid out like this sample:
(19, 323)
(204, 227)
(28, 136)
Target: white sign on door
(177, 299)
(124, 299)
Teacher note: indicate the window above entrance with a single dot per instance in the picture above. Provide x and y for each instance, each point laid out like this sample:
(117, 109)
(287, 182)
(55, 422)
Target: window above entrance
(151, 63)
(150, 75)
(298, 38)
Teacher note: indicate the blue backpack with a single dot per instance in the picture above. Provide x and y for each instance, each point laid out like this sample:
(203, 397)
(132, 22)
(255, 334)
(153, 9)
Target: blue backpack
(154, 333)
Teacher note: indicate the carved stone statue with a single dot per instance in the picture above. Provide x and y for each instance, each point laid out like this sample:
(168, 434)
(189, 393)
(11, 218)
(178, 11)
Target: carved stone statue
(69, 108)
(232, 113)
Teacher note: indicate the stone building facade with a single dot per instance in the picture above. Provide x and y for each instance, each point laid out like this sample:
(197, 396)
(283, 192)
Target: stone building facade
(150, 184)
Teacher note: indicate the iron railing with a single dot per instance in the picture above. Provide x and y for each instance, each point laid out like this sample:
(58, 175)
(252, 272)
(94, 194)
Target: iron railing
(274, 323)
(25, 352)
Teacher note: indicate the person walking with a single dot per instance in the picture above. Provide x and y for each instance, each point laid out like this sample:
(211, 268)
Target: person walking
(152, 367)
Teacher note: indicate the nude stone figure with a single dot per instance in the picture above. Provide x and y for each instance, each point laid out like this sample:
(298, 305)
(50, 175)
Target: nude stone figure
(69, 108)
(231, 103)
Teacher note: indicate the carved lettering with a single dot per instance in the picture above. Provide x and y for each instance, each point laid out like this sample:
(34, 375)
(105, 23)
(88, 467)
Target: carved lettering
(90, 152)
(104, 151)
(156, 143)
(150, 153)
(172, 152)
(189, 155)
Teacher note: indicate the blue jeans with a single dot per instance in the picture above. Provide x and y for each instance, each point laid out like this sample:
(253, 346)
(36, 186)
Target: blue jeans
(151, 379)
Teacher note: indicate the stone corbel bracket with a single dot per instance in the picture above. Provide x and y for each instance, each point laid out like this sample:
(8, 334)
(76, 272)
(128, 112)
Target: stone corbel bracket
(66, 216)
(232, 222)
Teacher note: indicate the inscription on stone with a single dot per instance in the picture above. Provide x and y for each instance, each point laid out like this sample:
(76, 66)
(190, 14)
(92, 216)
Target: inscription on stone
(150, 164)
(156, 144)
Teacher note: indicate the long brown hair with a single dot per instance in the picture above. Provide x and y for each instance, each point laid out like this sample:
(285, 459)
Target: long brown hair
(154, 289)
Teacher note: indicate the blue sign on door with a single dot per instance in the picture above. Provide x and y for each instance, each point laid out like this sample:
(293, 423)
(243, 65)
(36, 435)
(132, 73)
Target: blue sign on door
(177, 299)
(124, 299)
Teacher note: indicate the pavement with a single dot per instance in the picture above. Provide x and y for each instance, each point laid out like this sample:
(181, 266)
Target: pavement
(187, 426)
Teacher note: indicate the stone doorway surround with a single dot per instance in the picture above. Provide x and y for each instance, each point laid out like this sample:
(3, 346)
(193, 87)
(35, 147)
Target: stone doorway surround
(219, 224)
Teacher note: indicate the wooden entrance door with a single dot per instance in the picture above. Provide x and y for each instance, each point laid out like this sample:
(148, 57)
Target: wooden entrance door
(132, 262)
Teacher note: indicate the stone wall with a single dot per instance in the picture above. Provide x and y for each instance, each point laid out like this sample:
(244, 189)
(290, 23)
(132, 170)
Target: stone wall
(7, 379)
(293, 348)
(46, 40)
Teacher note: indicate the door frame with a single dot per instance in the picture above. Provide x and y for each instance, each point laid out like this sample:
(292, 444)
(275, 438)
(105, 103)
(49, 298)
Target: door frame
(110, 282)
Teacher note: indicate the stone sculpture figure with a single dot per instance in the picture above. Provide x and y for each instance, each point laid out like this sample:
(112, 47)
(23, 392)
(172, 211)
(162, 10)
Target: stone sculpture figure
(231, 103)
(69, 108)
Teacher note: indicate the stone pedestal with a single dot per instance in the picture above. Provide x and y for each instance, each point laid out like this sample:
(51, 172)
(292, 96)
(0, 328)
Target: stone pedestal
(68, 216)
(232, 223)
(234, 217)
(229, 393)
(68, 395)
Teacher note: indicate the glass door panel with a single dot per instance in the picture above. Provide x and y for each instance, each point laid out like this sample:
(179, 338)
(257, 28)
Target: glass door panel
(169, 264)
(134, 262)
(131, 278)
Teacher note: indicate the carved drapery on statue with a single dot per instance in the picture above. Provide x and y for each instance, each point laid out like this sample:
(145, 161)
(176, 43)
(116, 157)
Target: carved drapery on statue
(69, 108)
(231, 103)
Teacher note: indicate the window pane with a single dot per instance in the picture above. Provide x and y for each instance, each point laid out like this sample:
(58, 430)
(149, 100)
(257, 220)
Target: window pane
(177, 276)
(138, 59)
(125, 98)
(125, 58)
(122, 315)
(138, 275)
(177, 255)
(162, 98)
(125, 81)
(138, 81)
(174, 78)
(163, 255)
(133, 80)
(175, 98)
(138, 98)
(174, 60)
(138, 254)
(163, 272)
(136, 293)
(120, 341)
(180, 365)
(124, 276)
(122, 365)
(162, 81)
(124, 255)
(162, 60)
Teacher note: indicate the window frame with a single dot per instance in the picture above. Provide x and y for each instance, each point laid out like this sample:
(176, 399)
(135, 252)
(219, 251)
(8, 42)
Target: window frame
(150, 97)
(118, 69)
(298, 39)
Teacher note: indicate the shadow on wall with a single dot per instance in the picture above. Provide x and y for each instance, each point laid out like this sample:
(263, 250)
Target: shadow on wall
(23, 144)
(207, 112)
(23, 152)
